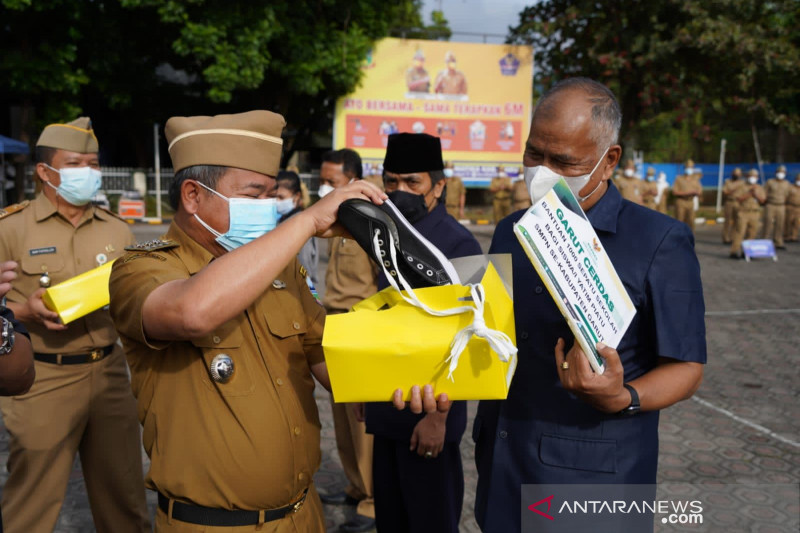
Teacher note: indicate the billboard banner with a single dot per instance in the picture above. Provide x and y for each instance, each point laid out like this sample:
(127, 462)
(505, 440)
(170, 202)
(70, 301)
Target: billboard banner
(475, 97)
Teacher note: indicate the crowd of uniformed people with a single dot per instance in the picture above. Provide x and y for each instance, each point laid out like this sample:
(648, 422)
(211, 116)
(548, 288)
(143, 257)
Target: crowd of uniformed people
(210, 350)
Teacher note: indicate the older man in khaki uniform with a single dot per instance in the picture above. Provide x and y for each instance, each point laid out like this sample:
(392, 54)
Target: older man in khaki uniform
(350, 278)
(456, 193)
(629, 185)
(685, 189)
(81, 401)
(730, 206)
(501, 187)
(223, 335)
(775, 212)
(750, 199)
(793, 212)
(450, 80)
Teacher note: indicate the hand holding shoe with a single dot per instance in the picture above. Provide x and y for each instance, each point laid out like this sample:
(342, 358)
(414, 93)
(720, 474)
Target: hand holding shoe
(325, 212)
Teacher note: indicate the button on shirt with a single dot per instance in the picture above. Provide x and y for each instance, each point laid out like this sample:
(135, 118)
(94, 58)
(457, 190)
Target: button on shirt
(42, 241)
(542, 433)
(252, 442)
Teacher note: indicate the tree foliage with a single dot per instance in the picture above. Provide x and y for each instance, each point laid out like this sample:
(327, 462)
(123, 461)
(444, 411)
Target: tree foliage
(139, 61)
(699, 63)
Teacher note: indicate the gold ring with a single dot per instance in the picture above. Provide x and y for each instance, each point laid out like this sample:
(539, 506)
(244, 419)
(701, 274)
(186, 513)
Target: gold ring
(565, 366)
(428, 455)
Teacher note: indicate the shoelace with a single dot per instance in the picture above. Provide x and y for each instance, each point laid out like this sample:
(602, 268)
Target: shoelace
(498, 341)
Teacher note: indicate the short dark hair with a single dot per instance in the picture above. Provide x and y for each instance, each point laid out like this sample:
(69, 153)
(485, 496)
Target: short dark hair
(208, 175)
(349, 159)
(436, 176)
(289, 180)
(606, 114)
(45, 154)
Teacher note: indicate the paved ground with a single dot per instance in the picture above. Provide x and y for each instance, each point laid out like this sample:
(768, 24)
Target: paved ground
(743, 426)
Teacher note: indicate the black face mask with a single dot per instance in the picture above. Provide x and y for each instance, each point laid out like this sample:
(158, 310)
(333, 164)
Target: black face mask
(411, 205)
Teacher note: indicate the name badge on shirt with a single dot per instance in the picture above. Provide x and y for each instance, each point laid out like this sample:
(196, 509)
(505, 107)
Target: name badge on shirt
(42, 251)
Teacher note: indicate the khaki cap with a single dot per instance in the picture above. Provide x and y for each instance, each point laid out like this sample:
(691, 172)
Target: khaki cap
(689, 163)
(250, 141)
(651, 171)
(76, 136)
(782, 168)
(752, 172)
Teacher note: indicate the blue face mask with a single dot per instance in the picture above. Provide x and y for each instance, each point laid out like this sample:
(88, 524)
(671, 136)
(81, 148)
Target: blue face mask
(249, 219)
(78, 184)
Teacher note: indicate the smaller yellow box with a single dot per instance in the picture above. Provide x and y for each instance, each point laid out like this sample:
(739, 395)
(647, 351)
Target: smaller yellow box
(384, 344)
(80, 295)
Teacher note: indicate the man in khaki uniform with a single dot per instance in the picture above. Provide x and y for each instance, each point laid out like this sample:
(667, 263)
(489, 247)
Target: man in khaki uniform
(775, 212)
(450, 80)
(223, 335)
(730, 206)
(750, 198)
(630, 186)
(520, 193)
(685, 189)
(417, 78)
(650, 190)
(793, 212)
(81, 401)
(456, 193)
(350, 278)
(501, 187)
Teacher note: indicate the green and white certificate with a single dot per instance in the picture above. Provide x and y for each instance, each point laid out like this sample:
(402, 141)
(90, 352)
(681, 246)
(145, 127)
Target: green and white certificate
(572, 263)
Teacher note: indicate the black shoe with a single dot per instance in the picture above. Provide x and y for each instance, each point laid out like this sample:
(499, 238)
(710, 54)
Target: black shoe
(419, 262)
(358, 523)
(781, 247)
(735, 256)
(338, 498)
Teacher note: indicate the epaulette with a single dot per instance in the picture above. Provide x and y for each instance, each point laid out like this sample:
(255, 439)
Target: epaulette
(303, 271)
(14, 208)
(152, 246)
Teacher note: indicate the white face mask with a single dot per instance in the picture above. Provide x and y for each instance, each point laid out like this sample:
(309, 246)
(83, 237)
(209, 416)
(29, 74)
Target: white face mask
(448, 173)
(540, 180)
(284, 206)
(752, 180)
(780, 175)
(629, 172)
(324, 190)
(689, 171)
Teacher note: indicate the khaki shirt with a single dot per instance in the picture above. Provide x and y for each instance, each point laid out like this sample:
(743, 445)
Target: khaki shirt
(631, 189)
(777, 191)
(747, 202)
(520, 195)
(501, 194)
(251, 443)
(649, 192)
(684, 184)
(455, 188)
(351, 275)
(41, 240)
(451, 82)
(793, 198)
(731, 189)
(418, 80)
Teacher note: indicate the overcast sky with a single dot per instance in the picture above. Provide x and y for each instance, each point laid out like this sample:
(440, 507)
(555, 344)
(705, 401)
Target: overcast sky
(478, 16)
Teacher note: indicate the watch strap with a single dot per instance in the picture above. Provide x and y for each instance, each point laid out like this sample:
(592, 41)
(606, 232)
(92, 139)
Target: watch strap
(634, 406)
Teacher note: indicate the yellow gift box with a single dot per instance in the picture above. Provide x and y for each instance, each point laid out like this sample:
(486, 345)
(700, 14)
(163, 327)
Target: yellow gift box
(385, 343)
(80, 295)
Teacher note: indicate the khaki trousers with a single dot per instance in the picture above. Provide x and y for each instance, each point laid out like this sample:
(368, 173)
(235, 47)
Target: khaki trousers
(792, 229)
(774, 218)
(502, 208)
(729, 212)
(746, 228)
(309, 519)
(87, 409)
(684, 211)
(355, 452)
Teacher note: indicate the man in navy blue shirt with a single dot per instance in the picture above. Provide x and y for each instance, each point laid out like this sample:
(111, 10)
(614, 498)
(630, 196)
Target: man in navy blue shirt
(561, 423)
(417, 471)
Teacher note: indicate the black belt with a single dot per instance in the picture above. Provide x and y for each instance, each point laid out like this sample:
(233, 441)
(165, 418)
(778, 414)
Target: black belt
(210, 516)
(74, 359)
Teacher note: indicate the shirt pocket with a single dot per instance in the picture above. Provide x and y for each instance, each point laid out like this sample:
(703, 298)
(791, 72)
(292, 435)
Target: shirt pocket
(37, 265)
(284, 314)
(592, 455)
(227, 340)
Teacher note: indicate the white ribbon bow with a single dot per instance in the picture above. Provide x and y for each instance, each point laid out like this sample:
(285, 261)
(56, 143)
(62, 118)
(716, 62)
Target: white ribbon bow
(498, 341)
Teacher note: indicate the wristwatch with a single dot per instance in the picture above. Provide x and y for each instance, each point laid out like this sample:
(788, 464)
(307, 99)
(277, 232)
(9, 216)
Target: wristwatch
(634, 407)
(7, 337)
